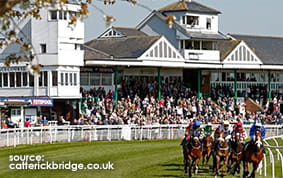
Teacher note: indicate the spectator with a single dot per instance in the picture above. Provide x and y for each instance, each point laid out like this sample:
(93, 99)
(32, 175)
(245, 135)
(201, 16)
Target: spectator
(44, 122)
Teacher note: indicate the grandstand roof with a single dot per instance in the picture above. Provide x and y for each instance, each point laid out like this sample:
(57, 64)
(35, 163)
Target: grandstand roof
(131, 47)
(267, 48)
(191, 6)
(226, 47)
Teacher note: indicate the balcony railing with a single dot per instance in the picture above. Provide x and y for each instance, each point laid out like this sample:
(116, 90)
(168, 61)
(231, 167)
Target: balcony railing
(243, 85)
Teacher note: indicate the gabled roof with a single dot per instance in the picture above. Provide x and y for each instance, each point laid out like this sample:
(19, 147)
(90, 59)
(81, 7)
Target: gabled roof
(237, 52)
(226, 47)
(129, 31)
(131, 47)
(268, 49)
(192, 35)
(191, 6)
(119, 32)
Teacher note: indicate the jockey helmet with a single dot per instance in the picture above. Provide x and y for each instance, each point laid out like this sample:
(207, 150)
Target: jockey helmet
(226, 123)
(190, 124)
(197, 123)
(258, 124)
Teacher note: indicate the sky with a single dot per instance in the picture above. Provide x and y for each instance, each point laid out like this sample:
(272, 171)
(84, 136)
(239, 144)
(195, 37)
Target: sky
(253, 17)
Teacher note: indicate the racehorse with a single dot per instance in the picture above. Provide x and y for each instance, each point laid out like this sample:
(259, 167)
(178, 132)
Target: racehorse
(236, 154)
(192, 154)
(207, 148)
(253, 153)
(221, 154)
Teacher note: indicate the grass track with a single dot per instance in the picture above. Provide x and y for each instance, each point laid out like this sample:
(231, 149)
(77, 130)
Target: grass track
(157, 158)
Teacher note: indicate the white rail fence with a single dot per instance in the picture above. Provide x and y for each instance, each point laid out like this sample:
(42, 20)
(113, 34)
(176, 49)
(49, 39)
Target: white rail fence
(75, 133)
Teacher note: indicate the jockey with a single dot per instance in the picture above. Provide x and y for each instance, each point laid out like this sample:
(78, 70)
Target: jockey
(238, 128)
(257, 126)
(196, 129)
(225, 127)
(187, 133)
(208, 129)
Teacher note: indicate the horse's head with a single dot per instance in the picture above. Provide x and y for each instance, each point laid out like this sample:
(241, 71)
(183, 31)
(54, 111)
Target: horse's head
(196, 141)
(258, 139)
(238, 136)
(221, 138)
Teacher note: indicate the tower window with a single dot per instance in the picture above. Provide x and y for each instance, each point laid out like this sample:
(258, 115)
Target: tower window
(190, 20)
(208, 23)
(43, 48)
(53, 15)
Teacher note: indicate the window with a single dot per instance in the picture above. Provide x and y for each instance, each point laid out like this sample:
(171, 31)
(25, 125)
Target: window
(66, 79)
(31, 80)
(18, 79)
(94, 78)
(53, 15)
(45, 77)
(207, 45)
(62, 79)
(54, 78)
(71, 78)
(43, 48)
(40, 79)
(5, 79)
(25, 79)
(106, 79)
(190, 20)
(196, 44)
(62, 15)
(208, 23)
(75, 79)
(12, 79)
(188, 44)
(84, 78)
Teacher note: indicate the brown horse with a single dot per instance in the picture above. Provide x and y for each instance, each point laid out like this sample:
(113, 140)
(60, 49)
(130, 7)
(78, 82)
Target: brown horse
(253, 154)
(192, 154)
(236, 154)
(207, 148)
(221, 154)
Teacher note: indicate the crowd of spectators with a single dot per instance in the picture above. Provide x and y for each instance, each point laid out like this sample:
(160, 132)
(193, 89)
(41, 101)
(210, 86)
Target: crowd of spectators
(138, 105)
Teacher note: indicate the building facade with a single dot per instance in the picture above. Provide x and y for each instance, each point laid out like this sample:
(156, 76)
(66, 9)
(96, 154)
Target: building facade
(57, 49)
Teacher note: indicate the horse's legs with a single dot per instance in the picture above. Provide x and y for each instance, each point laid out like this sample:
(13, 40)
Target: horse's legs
(245, 173)
(225, 164)
(255, 165)
(203, 157)
(217, 165)
(208, 156)
(191, 163)
(196, 165)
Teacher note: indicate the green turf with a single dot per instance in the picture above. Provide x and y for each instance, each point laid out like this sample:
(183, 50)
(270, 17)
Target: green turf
(158, 158)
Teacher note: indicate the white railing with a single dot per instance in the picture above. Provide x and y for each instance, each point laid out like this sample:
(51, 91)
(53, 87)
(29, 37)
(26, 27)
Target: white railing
(74, 133)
